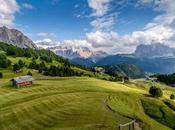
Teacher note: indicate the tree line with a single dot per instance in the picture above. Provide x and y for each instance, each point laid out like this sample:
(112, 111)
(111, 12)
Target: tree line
(168, 79)
(43, 54)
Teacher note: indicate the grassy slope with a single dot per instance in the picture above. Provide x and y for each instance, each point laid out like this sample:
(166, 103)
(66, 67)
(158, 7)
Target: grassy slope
(29, 60)
(72, 103)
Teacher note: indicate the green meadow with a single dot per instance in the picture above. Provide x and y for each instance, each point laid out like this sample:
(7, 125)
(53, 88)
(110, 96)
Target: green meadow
(77, 103)
(81, 103)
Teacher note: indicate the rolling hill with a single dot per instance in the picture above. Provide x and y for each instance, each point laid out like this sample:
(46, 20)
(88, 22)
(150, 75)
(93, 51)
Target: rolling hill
(75, 103)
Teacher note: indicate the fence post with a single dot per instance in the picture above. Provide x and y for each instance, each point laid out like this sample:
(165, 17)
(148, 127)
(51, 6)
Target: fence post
(133, 126)
(120, 127)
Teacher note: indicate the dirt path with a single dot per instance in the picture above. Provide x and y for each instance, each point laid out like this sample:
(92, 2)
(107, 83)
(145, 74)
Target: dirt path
(123, 119)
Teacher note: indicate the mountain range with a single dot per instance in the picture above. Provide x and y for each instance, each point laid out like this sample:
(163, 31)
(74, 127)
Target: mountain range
(154, 58)
(72, 52)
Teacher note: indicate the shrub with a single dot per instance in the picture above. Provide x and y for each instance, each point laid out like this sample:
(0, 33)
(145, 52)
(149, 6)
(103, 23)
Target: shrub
(126, 79)
(4, 62)
(1, 75)
(21, 63)
(29, 73)
(172, 96)
(16, 67)
(155, 91)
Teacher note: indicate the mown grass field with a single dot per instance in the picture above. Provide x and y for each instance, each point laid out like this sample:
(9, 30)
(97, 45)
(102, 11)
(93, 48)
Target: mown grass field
(74, 103)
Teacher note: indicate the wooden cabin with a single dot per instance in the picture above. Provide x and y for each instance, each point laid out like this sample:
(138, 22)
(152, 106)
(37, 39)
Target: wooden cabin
(23, 81)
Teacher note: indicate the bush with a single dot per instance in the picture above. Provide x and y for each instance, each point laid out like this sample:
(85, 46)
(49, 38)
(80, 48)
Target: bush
(29, 73)
(126, 79)
(21, 63)
(1, 75)
(16, 67)
(4, 62)
(156, 92)
(172, 96)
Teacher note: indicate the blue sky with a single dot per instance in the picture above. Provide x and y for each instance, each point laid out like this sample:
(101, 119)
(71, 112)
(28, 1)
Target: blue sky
(110, 25)
(61, 18)
(53, 17)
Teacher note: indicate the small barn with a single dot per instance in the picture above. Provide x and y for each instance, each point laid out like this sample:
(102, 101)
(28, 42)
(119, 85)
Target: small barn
(23, 81)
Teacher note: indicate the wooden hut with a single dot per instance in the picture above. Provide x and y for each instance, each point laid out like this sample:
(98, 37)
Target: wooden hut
(23, 81)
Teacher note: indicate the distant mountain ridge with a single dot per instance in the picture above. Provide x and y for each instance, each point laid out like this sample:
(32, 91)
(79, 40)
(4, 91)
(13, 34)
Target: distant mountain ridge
(155, 58)
(154, 50)
(15, 37)
(72, 52)
(153, 65)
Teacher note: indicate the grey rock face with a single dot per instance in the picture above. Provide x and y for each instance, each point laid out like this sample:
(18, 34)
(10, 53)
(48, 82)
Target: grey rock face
(15, 37)
(154, 50)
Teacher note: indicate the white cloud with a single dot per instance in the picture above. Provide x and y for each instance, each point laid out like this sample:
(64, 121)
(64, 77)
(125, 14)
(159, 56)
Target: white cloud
(76, 43)
(112, 43)
(27, 6)
(100, 7)
(102, 39)
(44, 40)
(100, 12)
(44, 34)
(8, 8)
(160, 30)
(105, 22)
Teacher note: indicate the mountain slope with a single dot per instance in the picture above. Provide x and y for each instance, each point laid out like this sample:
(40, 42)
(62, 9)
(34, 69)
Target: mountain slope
(129, 70)
(88, 62)
(15, 37)
(153, 65)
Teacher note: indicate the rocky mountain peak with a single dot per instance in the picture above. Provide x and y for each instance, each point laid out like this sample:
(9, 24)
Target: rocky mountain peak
(154, 50)
(15, 37)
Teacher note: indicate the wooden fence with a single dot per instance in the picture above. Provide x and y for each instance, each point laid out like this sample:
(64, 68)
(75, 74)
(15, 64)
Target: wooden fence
(129, 125)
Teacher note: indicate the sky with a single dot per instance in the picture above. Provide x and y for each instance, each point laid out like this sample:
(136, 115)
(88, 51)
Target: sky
(113, 26)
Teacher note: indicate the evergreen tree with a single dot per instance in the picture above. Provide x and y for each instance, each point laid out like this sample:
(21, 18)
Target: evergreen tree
(29, 73)
(4, 62)
(33, 65)
(1, 75)
(16, 67)
(21, 63)
(156, 92)
(172, 96)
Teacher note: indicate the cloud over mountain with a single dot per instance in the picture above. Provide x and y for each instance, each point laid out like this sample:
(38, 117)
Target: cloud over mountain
(159, 30)
(7, 10)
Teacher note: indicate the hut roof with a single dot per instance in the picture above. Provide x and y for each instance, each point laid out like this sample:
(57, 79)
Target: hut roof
(22, 79)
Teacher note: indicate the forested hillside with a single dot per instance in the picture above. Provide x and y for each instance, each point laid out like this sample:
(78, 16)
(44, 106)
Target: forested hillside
(44, 61)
